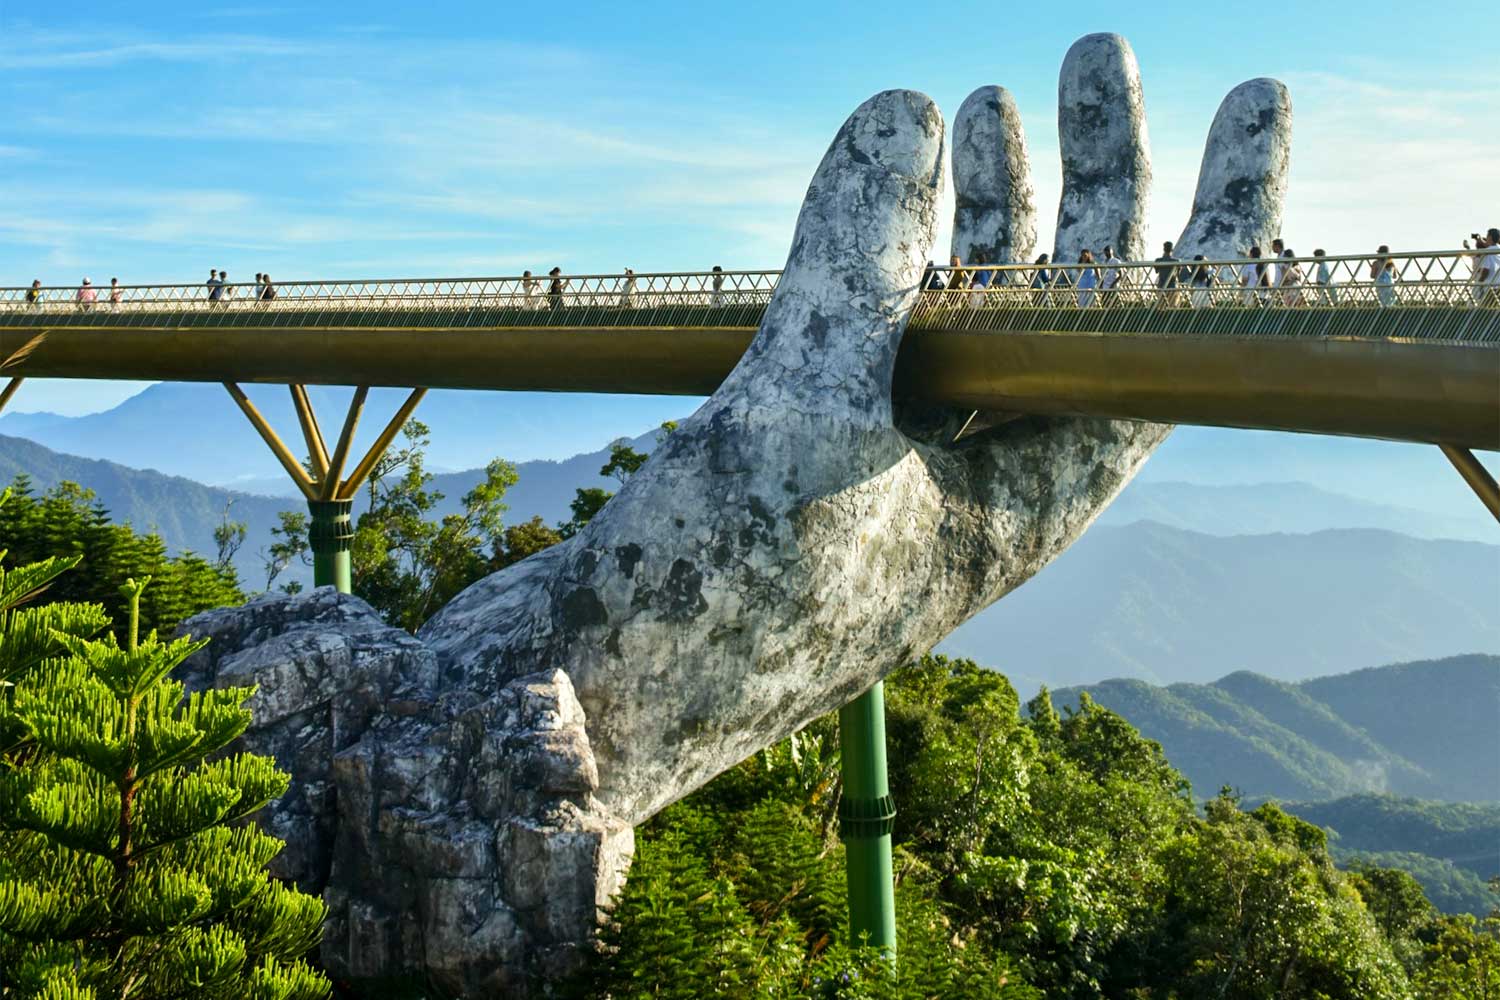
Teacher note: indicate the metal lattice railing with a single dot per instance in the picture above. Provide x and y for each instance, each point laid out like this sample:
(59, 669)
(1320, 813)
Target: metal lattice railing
(1434, 296)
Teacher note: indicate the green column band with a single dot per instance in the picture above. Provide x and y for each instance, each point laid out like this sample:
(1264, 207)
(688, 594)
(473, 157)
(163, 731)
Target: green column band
(866, 818)
(330, 536)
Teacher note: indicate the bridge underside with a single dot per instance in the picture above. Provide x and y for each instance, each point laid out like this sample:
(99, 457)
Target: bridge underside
(1427, 388)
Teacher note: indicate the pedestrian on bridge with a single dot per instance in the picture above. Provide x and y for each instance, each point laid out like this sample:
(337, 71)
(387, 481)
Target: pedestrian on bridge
(1383, 271)
(932, 279)
(716, 287)
(979, 281)
(529, 287)
(1290, 279)
(1088, 279)
(1167, 276)
(116, 293)
(1111, 277)
(1278, 251)
(556, 288)
(1041, 280)
(267, 290)
(1487, 268)
(1328, 294)
(957, 278)
(87, 295)
(34, 293)
(1252, 278)
(215, 285)
(1202, 281)
(627, 294)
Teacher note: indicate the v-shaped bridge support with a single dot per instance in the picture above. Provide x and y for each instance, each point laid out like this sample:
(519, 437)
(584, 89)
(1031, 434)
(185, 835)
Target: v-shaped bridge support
(329, 493)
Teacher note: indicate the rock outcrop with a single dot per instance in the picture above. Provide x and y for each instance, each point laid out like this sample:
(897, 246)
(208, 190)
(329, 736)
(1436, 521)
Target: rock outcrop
(464, 799)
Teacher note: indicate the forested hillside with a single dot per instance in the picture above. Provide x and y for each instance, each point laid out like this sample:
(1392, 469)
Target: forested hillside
(1162, 605)
(1424, 729)
(1453, 848)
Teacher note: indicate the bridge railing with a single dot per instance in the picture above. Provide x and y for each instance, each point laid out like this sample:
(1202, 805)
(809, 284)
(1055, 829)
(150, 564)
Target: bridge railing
(1432, 296)
(722, 298)
(1435, 295)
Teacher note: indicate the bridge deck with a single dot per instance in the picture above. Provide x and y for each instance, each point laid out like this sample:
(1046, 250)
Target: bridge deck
(1420, 362)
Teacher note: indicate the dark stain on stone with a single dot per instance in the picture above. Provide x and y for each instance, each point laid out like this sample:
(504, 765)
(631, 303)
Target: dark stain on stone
(629, 556)
(582, 609)
(855, 153)
(762, 523)
(683, 592)
(1265, 118)
(1240, 194)
(612, 642)
(817, 328)
(588, 561)
(640, 600)
(1090, 117)
(679, 522)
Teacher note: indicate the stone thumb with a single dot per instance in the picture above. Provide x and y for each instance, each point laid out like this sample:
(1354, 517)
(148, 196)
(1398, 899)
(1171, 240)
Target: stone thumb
(831, 331)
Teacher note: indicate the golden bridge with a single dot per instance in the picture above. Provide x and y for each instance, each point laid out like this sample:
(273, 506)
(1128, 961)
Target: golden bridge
(1405, 347)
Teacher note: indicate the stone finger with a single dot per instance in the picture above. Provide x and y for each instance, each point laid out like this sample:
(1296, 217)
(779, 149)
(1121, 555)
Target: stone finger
(994, 213)
(1106, 158)
(1242, 182)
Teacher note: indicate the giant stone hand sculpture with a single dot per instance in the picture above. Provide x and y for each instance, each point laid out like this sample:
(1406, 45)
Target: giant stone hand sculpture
(798, 537)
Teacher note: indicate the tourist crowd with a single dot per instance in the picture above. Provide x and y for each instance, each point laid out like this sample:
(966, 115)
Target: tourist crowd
(1261, 279)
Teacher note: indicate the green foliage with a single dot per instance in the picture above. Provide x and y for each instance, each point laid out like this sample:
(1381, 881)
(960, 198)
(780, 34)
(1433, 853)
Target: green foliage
(1058, 854)
(228, 537)
(624, 461)
(288, 544)
(408, 565)
(66, 522)
(125, 867)
(1450, 888)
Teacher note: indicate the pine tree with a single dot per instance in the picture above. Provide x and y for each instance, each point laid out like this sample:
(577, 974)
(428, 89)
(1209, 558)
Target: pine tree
(125, 869)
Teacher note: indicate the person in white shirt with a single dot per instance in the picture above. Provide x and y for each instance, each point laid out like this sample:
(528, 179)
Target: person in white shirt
(1490, 267)
(1110, 278)
(1278, 269)
(1251, 273)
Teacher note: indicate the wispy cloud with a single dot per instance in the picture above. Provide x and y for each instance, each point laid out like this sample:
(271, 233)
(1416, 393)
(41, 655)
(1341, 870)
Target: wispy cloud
(61, 51)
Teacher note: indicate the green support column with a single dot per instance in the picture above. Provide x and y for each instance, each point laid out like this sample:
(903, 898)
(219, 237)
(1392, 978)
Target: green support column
(866, 815)
(329, 535)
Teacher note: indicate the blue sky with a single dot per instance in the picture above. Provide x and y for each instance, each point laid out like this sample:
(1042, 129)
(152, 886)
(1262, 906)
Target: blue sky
(154, 141)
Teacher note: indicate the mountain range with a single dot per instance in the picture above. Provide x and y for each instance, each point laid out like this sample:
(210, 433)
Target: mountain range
(1423, 729)
(210, 442)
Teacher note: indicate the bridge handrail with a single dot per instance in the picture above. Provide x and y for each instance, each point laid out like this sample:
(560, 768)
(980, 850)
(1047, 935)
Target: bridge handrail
(1430, 296)
(1412, 267)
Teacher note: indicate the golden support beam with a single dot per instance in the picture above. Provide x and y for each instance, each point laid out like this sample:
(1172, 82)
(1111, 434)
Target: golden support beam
(362, 471)
(317, 451)
(330, 484)
(283, 455)
(1476, 475)
(9, 391)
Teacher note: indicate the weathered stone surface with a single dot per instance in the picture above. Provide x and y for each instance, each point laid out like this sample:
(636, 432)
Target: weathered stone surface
(1242, 183)
(450, 825)
(994, 212)
(1106, 158)
(794, 540)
